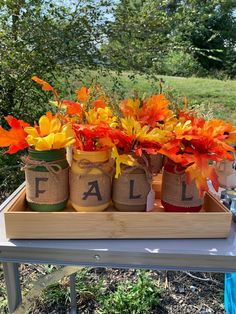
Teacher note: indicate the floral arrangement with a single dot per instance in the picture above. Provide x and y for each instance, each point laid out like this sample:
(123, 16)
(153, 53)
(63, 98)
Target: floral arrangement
(48, 134)
(196, 143)
(184, 138)
(144, 122)
(147, 126)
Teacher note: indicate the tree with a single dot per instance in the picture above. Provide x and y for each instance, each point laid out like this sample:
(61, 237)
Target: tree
(39, 37)
(207, 29)
(144, 32)
(138, 36)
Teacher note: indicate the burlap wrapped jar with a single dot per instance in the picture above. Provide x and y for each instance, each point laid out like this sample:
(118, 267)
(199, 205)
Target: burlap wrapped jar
(226, 171)
(131, 188)
(47, 179)
(90, 180)
(176, 195)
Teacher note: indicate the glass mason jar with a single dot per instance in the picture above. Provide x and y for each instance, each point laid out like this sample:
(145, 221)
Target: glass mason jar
(176, 195)
(47, 180)
(226, 171)
(130, 190)
(90, 181)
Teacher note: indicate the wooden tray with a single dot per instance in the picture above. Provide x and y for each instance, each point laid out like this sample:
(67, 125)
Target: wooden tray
(212, 222)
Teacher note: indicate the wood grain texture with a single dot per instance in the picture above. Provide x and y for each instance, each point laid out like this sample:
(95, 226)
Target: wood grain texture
(212, 222)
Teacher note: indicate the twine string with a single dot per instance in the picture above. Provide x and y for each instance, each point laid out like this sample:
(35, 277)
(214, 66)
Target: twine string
(88, 166)
(52, 167)
(144, 167)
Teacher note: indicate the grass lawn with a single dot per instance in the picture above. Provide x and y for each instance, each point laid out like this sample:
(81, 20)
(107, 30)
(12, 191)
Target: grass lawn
(220, 96)
(213, 95)
(205, 90)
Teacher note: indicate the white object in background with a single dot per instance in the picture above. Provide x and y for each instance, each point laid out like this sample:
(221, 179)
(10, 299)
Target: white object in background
(231, 180)
(150, 200)
(69, 154)
(226, 172)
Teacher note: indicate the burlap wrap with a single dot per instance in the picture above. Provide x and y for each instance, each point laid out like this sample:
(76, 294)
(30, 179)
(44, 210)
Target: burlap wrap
(132, 188)
(224, 169)
(88, 189)
(47, 187)
(176, 192)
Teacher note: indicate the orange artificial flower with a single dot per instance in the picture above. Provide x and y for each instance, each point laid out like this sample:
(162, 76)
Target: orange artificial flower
(149, 112)
(73, 108)
(82, 94)
(200, 171)
(15, 138)
(195, 142)
(46, 86)
(155, 110)
(99, 103)
(131, 107)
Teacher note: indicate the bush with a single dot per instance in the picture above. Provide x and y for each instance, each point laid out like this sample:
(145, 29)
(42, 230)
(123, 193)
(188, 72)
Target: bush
(178, 63)
(136, 298)
(10, 175)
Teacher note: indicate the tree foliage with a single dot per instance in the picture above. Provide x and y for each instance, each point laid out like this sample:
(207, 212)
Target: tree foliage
(42, 38)
(138, 35)
(208, 30)
(144, 32)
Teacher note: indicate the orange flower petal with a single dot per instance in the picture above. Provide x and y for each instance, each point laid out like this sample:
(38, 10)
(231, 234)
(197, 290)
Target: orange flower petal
(46, 86)
(82, 94)
(15, 138)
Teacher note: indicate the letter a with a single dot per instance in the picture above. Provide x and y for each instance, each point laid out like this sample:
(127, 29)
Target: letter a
(94, 185)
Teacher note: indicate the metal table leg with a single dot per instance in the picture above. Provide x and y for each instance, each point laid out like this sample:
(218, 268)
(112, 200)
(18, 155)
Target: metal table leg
(73, 294)
(12, 280)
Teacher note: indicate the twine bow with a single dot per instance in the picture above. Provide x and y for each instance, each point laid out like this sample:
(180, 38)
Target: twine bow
(144, 167)
(88, 166)
(52, 167)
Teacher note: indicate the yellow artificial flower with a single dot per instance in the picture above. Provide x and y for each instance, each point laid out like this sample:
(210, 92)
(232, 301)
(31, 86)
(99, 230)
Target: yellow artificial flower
(182, 129)
(231, 138)
(130, 126)
(145, 133)
(168, 124)
(155, 135)
(131, 107)
(101, 115)
(125, 159)
(47, 124)
(50, 134)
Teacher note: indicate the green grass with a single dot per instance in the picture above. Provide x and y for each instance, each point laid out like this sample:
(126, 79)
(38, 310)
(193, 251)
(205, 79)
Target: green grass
(213, 95)
(219, 95)
(138, 297)
(207, 90)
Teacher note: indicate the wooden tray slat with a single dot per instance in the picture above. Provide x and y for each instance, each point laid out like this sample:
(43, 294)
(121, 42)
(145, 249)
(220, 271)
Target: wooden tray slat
(212, 222)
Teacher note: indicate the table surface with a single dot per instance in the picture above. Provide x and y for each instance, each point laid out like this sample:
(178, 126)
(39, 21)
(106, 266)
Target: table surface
(218, 255)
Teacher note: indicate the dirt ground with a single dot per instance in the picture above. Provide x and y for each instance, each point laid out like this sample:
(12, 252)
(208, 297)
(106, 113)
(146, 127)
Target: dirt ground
(182, 292)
